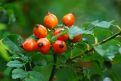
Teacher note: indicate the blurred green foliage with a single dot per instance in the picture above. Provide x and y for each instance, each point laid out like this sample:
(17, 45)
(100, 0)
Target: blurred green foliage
(24, 14)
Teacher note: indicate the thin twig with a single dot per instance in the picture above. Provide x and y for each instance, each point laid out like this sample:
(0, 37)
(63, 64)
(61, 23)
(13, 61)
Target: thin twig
(54, 67)
(102, 42)
(109, 38)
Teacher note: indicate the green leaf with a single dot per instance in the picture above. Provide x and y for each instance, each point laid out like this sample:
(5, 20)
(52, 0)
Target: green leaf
(53, 39)
(66, 74)
(44, 70)
(3, 51)
(73, 31)
(34, 76)
(7, 71)
(42, 60)
(92, 57)
(115, 72)
(88, 38)
(60, 25)
(13, 42)
(117, 59)
(19, 73)
(74, 52)
(3, 15)
(101, 34)
(15, 63)
(102, 24)
(2, 26)
(120, 50)
(108, 51)
(12, 17)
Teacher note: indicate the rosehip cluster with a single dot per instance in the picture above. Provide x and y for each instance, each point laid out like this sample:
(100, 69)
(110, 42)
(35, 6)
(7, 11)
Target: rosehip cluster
(43, 44)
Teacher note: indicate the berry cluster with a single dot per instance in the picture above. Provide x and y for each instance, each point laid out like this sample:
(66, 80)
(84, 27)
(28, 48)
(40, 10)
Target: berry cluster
(43, 44)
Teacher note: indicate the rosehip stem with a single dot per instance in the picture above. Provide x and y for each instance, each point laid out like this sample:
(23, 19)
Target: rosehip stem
(54, 67)
(36, 25)
(48, 13)
(102, 42)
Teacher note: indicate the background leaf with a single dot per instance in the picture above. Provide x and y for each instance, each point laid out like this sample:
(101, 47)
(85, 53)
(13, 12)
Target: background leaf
(3, 51)
(34, 76)
(18, 73)
(108, 52)
(103, 24)
(13, 42)
(15, 63)
(44, 70)
(101, 34)
(73, 31)
(66, 74)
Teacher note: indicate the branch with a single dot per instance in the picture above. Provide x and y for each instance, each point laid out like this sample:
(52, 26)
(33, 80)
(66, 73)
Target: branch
(102, 42)
(109, 38)
(54, 67)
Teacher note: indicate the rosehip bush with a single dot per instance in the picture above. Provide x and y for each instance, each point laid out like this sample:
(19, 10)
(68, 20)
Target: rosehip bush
(65, 52)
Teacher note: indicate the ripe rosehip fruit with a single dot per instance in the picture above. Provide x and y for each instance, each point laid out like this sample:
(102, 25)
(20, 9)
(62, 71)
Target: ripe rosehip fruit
(40, 31)
(30, 45)
(68, 19)
(63, 37)
(50, 21)
(77, 38)
(43, 45)
(59, 46)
